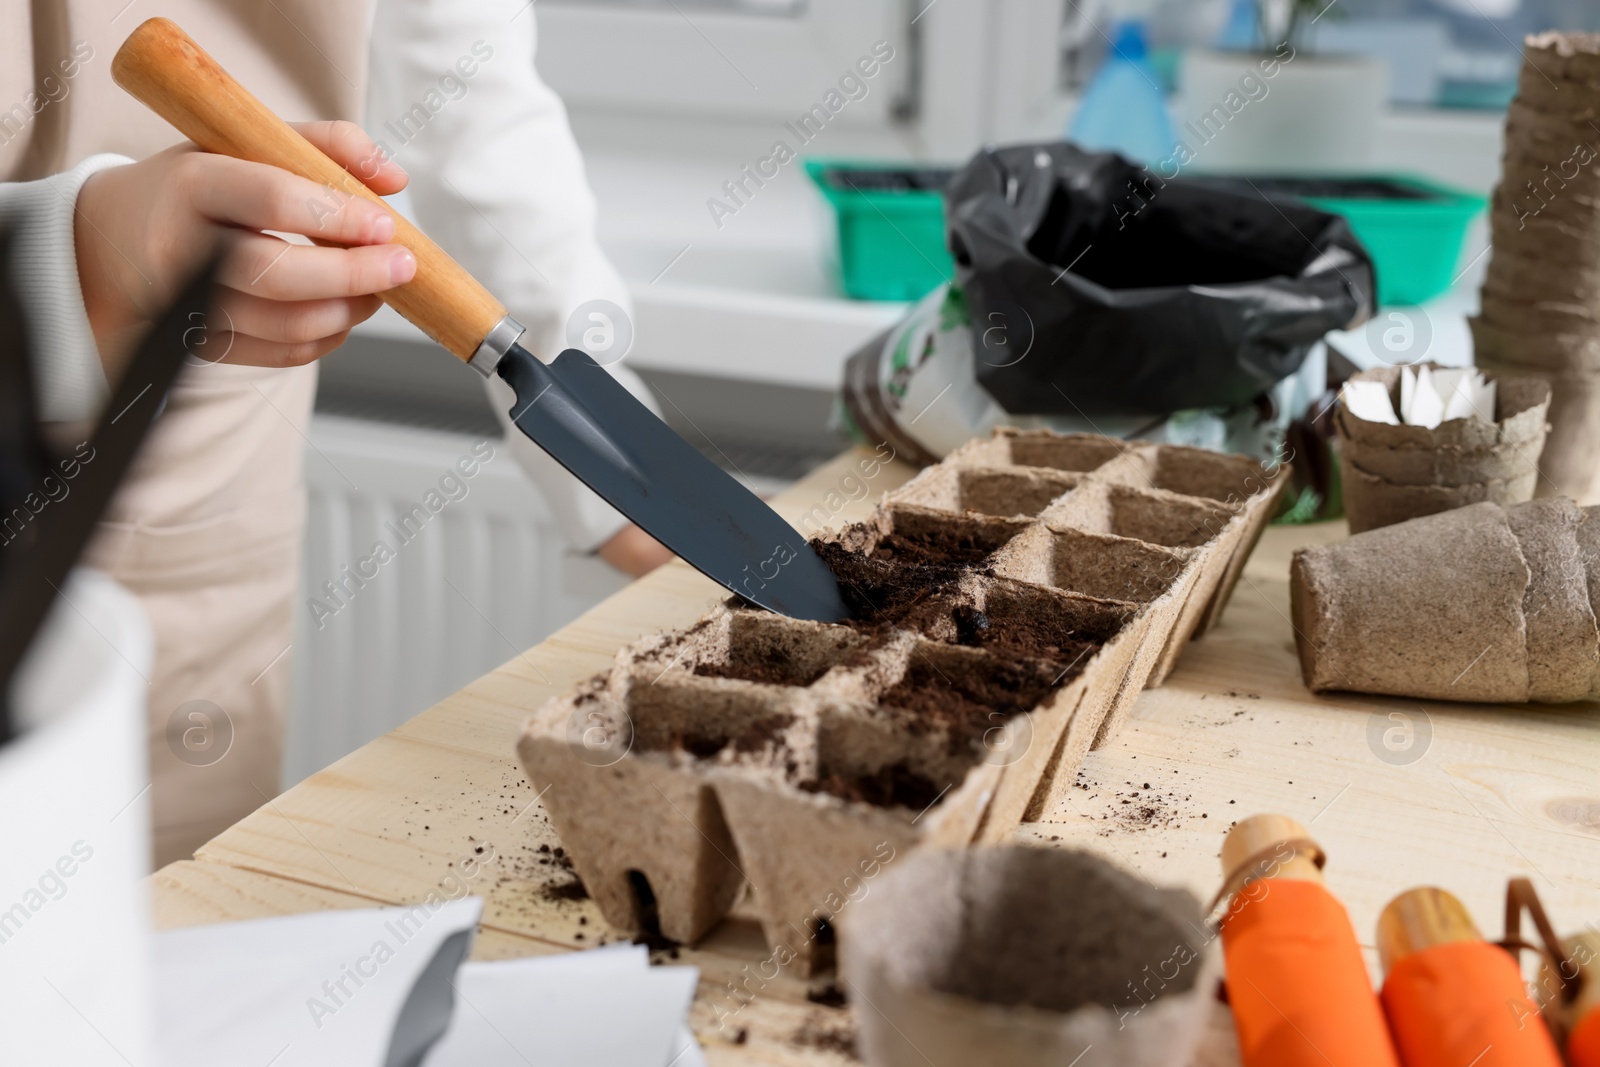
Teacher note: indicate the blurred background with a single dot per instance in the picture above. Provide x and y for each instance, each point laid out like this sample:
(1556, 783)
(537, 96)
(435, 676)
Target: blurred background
(743, 315)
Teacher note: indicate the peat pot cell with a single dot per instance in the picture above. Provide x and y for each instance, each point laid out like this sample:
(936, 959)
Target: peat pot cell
(903, 783)
(939, 540)
(948, 712)
(960, 694)
(772, 650)
(1197, 472)
(1158, 518)
(1095, 564)
(707, 721)
(882, 593)
(1020, 621)
(1002, 491)
(1070, 452)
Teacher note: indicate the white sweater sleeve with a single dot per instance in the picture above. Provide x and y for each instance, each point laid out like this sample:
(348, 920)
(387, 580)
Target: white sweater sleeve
(497, 181)
(68, 377)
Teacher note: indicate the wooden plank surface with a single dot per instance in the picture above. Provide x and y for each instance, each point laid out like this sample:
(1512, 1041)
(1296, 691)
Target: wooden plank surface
(1481, 793)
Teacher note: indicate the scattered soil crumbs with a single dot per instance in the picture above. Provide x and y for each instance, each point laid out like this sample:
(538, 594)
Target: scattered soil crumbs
(1136, 806)
(573, 890)
(963, 701)
(547, 860)
(839, 1038)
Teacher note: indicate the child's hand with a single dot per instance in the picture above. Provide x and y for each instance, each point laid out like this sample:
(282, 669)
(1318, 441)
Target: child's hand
(142, 228)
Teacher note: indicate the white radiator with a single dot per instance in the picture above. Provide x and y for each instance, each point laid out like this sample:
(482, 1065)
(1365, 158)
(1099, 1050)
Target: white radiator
(470, 572)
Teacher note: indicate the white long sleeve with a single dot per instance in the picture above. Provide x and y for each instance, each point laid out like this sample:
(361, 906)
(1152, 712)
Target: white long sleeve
(497, 181)
(68, 377)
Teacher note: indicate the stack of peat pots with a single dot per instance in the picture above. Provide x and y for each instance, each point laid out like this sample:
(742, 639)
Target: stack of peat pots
(1391, 473)
(1541, 300)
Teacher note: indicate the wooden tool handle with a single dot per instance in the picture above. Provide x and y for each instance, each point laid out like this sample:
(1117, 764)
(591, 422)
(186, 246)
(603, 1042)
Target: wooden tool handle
(1268, 846)
(165, 69)
(1421, 918)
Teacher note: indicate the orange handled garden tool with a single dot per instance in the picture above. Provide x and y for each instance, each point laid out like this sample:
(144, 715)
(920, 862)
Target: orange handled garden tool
(1569, 980)
(1453, 998)
(1581, 1016)
(1298, 986)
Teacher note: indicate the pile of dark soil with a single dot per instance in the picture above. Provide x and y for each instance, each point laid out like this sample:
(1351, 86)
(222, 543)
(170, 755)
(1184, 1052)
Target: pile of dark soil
(1046, 637)
(965, 701)
(882, 594)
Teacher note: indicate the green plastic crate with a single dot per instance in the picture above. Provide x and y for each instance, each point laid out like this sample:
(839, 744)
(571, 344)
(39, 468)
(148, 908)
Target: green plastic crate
(1415, 243)
(891, 241)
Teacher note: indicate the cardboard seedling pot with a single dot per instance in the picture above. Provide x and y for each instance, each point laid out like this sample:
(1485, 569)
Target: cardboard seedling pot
(1446, 465)
(1172, 497)
(1512, 320)
(1564, 55)
(1563, 643)
(1570, 462)
(1532, 175)
(1520, 274)
(1431, 607)
(1569, 465)
(623, 761)
(1563, 100)
(1588, 538)
(805, 851)
(1543, 351)
(1520, 405)
(1548, 236)
(1479, 604)
(1371, 502)
(1010, 604)
(1550, 128)
(1391, 473)
(1025, 957)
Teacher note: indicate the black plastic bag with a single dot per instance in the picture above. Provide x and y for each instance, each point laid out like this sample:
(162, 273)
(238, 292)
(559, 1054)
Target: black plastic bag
(1097, 287)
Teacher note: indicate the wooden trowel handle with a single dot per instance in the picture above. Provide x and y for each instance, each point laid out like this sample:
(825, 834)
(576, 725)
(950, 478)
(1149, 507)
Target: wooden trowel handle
(165, 69)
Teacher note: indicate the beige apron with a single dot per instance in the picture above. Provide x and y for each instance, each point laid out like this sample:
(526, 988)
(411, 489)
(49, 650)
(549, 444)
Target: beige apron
(206, 530)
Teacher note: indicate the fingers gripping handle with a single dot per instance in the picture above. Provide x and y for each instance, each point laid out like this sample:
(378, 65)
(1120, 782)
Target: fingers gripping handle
(166, 70)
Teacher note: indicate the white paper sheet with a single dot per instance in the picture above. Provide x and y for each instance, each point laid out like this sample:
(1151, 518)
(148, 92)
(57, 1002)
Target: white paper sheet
(604, 1006)
(330, 987)
(686, 1050)
(296, 991)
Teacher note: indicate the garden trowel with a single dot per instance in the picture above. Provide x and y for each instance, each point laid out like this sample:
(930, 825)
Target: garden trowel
(571, 406)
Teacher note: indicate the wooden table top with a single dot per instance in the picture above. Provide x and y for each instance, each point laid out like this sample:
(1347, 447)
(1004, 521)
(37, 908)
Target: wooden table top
(1399, 792)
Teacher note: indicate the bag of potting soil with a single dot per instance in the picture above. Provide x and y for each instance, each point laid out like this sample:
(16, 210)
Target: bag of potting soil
(915, 387)
(1093, 296)
(1124, 294)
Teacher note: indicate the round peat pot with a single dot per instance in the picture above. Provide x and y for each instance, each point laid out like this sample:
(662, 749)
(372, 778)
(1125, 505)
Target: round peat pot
(1024, 956)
